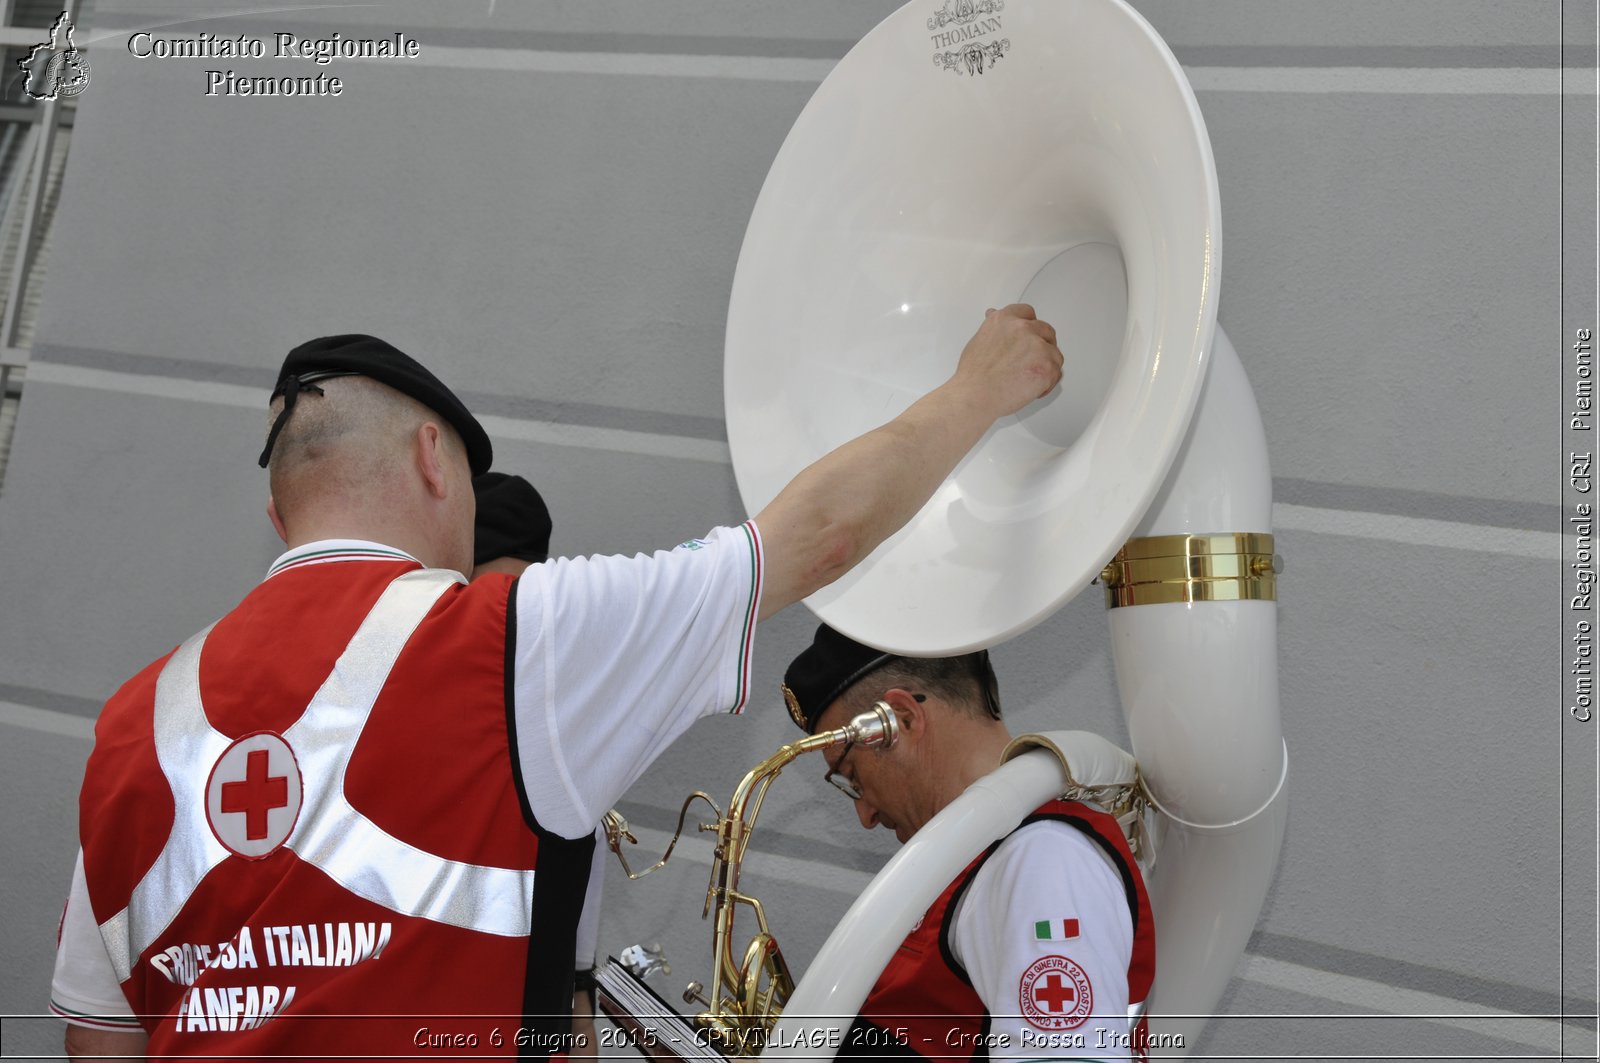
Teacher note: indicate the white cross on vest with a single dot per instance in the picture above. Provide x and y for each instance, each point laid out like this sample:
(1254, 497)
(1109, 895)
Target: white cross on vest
(327, 832)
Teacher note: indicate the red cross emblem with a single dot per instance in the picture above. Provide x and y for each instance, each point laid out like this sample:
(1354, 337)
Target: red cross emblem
(256, 795)
(253, 795)
(1055, 994)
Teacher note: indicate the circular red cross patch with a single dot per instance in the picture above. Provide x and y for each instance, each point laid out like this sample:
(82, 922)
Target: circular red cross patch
(1055, 994)
(253, 795)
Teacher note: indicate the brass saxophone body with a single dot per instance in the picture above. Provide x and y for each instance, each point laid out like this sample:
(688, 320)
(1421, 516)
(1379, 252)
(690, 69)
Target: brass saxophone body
(748, 988)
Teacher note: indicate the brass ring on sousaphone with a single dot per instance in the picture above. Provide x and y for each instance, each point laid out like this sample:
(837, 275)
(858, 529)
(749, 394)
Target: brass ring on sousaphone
(969, 154)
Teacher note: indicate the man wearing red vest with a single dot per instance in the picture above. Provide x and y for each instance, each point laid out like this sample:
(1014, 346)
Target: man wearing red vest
(1043, 947)
(355, 816)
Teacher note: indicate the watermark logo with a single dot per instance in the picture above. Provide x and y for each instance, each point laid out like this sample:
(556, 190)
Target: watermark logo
(55, 69)
(964, 35)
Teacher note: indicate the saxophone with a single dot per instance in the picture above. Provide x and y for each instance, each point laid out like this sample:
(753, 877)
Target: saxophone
(748, 990)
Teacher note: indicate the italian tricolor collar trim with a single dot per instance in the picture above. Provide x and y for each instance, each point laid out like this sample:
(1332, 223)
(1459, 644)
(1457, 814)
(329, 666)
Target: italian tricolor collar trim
(327, 550)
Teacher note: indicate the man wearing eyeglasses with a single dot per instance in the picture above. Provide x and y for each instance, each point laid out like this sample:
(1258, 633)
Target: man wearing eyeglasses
(1043, 947)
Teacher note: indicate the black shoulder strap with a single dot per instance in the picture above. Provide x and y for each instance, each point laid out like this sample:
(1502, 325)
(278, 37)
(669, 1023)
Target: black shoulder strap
(560, 882)
(1117, 861)
(1078, 822)
(559, 885)
(950, 910)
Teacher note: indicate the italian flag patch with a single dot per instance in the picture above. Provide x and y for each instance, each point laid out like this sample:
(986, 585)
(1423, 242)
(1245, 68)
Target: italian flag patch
(1055, 930)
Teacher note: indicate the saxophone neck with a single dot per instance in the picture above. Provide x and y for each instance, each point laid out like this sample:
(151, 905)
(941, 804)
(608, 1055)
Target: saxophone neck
(744, 999)
(876, 728)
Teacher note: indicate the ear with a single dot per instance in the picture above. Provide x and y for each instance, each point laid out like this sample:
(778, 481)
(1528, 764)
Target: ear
(912, 714)
(277, 521)
(429, 446)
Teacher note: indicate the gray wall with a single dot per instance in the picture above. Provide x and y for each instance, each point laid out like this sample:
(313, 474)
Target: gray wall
(548, 207)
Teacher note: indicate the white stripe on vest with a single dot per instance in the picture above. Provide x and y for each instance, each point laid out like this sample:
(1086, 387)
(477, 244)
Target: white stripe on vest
(330, 834)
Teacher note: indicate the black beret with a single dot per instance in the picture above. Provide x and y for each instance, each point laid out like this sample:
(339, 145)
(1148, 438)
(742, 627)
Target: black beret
(832, 664)
(512, 520)
(357, 355)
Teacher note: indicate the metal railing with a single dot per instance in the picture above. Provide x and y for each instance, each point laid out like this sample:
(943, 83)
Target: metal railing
(33, 141)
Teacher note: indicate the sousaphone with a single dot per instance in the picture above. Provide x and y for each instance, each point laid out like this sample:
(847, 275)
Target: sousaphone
(968, 154)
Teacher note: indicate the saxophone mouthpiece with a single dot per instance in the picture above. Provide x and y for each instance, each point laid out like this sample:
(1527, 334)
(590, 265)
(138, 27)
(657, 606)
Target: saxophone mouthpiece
(877, 728)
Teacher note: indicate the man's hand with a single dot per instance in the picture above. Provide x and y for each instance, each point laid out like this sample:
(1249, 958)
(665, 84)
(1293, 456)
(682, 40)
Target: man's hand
(1011, 360)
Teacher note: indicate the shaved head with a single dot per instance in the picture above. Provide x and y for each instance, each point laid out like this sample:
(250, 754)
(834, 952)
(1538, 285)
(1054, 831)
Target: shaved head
(350, 441)
(362, 460)
(959, 682)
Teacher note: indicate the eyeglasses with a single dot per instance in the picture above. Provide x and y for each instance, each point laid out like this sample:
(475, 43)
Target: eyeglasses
(843, 783)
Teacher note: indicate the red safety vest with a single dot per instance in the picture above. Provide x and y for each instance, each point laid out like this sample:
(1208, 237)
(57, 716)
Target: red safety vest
(304, 830)
(926, 993)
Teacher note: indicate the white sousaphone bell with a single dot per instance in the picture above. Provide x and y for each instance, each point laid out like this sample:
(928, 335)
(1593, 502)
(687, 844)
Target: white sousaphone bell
(972, 154)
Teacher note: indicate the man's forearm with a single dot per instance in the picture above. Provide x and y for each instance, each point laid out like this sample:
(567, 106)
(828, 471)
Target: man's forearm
(840, 508)
(837, 510)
